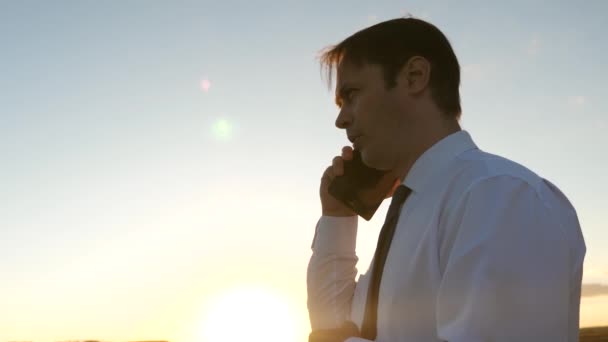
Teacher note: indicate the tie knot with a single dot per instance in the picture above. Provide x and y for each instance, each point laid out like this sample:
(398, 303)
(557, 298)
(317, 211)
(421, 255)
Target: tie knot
(400, 195)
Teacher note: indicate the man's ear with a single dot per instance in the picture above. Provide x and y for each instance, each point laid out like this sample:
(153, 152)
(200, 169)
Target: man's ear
(414, 76)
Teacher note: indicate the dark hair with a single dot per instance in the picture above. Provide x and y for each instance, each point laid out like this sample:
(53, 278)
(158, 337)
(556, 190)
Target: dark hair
(391, 44)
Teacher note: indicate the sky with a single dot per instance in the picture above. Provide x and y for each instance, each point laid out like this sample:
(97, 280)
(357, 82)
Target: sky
(160, 160)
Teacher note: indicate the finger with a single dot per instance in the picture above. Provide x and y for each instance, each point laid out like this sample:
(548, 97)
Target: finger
(347, 153)
(328, 175)
(338, 166)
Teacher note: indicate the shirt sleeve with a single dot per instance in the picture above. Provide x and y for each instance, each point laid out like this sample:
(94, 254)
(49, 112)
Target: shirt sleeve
(331, 272)
(507, 277)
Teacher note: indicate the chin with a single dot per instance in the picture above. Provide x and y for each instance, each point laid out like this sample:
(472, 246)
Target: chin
(374, 159)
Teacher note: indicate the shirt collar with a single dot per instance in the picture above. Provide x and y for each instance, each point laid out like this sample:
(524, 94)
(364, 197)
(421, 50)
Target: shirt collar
(436, 158)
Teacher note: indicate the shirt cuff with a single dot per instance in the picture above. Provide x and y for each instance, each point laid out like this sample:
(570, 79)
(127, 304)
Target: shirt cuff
(335, 235)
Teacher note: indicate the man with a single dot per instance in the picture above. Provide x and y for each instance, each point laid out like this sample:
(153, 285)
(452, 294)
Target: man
(482, 249)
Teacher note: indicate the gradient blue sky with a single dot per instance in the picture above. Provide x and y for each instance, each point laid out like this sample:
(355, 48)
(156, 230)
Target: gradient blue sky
(130, 196)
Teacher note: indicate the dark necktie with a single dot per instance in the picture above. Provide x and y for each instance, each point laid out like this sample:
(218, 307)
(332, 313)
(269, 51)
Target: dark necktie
(368, 328)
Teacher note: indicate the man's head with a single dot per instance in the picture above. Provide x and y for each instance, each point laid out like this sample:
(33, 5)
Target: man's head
(397, 89)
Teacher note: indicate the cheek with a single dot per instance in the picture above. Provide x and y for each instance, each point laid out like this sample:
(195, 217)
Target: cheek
(377, 116)
(387, 118)
(368, 112)
(359, 106)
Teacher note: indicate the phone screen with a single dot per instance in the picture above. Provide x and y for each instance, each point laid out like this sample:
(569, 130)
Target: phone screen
(355, 187)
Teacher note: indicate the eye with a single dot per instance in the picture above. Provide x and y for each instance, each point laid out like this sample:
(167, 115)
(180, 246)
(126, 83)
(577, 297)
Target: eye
(346, 96)
(349, 94)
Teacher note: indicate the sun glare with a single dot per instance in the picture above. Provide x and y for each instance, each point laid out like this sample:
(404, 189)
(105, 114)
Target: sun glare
(249, 314)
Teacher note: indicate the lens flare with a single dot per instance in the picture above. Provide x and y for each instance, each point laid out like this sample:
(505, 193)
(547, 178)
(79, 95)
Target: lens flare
(222, 129)
(205, 85)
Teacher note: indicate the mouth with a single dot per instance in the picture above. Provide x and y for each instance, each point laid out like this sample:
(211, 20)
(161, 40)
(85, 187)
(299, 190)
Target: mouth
(353, 138)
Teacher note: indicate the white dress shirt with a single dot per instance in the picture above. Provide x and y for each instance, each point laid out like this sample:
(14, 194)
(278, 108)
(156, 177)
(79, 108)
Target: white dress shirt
(484, 250)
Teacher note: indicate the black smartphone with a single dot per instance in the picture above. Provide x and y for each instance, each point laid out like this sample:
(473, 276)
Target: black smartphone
(350, 187)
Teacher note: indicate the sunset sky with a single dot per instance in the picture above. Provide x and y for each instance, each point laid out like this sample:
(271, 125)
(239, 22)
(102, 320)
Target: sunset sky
(161, 159)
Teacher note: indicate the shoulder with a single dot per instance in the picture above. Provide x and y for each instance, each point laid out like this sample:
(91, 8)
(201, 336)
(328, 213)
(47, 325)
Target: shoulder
(498, 199)
(480, 180)
(479, 169)
(476, 171)
(485, 173)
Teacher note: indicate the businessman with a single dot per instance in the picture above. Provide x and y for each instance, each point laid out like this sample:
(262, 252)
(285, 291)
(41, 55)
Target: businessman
(474, 247)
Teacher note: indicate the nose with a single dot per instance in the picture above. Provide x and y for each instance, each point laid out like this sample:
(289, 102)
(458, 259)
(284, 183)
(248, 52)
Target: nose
(344, 119)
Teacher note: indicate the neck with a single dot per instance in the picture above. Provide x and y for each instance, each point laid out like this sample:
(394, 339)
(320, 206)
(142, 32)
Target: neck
(424, 141)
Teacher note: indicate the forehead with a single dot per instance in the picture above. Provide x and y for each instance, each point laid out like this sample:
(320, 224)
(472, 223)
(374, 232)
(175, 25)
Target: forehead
(348, 72)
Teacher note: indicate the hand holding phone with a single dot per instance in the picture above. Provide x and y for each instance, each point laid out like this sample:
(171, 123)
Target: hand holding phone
(329, 204)
(353, 187)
